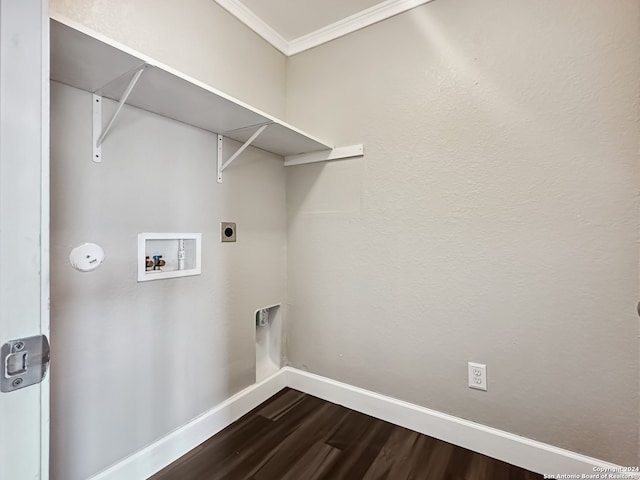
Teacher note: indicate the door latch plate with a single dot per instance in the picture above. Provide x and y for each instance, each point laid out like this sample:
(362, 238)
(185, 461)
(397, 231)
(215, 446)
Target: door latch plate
(25, 362)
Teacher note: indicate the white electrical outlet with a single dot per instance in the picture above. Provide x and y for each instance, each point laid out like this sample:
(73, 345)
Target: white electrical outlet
(478, 376)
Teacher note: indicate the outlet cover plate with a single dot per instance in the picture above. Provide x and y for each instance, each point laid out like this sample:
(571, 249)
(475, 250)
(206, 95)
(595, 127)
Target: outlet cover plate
(478, 376)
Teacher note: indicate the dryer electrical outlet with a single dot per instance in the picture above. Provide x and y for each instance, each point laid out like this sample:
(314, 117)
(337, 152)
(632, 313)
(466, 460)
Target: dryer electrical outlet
(227, 231)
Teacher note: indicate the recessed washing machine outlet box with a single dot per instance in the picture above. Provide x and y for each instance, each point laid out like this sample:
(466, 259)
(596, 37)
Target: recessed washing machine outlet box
(228, 231)
(169, 255)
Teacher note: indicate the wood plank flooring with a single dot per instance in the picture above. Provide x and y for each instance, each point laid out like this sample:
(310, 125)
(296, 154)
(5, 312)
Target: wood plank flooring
(294, 436)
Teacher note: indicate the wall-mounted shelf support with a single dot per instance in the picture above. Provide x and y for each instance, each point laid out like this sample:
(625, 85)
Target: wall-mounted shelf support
(86, 60)
(222, 166)
(325, 155)
(98, 133)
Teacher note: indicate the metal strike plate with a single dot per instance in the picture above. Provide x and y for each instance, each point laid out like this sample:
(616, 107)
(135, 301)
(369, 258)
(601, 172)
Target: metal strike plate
(24, 362)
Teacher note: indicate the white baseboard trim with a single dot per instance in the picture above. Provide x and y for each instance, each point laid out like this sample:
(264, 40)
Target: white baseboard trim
(516, 450)
(523, 452)
(158, 455)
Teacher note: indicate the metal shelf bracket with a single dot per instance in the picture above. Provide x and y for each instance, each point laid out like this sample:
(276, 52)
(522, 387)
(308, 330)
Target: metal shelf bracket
(98, 133)
(222, 166)
(325, 155)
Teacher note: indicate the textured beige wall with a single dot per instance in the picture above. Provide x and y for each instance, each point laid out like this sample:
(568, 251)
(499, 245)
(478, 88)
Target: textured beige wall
(492, 219)
(197, 37)
(134, 361)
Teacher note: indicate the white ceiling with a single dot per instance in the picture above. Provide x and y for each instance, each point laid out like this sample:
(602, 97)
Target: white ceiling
(294, 18)
(293, 26)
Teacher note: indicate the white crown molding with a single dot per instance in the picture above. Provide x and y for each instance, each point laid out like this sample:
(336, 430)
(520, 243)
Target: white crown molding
(255, 23)
(375, 14)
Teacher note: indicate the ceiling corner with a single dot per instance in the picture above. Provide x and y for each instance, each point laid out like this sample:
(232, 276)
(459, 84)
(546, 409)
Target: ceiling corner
(255, 23)
(377, 13)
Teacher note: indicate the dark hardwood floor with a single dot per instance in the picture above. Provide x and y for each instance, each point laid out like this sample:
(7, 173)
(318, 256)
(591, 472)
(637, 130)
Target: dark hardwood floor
(294, 436)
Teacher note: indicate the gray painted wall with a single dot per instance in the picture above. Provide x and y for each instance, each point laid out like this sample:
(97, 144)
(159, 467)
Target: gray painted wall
(134, 361)
(492, 219)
